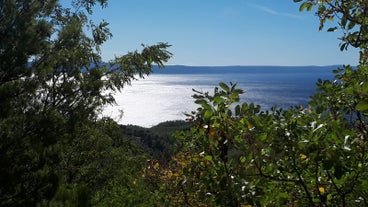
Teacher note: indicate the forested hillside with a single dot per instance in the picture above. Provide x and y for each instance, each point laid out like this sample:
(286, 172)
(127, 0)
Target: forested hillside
(157, 141)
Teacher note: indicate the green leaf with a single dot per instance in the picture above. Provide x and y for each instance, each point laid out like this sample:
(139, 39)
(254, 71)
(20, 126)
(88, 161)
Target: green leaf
(207, 115)
(343, 46)
(332, 29)
(237, 110)
(235, 97)
(263, 137)
(208, 158)
(362, 106)
(306, 5)
(303, 6)
(351, 25)
(284, 195)
(343, 21)
(218, 100)
(201, 102)
(224, 86)
(309, 7)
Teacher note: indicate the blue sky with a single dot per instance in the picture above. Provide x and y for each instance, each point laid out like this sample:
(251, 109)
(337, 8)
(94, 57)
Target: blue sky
(223, 32)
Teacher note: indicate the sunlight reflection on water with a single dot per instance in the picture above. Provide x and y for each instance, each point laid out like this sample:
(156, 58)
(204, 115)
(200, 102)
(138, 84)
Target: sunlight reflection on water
(162, 97)
(155, 99)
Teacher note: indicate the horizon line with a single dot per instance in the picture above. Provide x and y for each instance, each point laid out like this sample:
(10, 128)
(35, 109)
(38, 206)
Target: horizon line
(330, 65)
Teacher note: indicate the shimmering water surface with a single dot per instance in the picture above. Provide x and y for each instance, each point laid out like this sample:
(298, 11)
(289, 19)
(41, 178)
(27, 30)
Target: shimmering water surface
(167, 95)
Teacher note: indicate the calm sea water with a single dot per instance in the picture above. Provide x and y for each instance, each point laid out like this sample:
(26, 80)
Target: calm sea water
(166, 95)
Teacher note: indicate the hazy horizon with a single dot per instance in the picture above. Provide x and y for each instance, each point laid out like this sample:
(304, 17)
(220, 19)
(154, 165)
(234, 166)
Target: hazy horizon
(184, 65)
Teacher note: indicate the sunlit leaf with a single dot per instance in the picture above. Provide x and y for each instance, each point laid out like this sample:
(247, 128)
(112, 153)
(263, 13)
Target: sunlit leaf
(362, 106)
(303, 156)
(224, 86)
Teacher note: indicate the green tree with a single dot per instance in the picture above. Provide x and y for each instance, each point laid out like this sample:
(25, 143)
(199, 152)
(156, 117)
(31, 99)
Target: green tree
(53, 85)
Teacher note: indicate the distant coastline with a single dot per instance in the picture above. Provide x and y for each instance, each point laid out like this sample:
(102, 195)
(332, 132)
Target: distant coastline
(183, 69)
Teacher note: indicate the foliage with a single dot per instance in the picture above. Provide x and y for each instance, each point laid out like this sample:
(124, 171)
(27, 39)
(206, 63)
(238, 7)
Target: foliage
(112, 161)
(157, 141)
(237, 156)
(351, 18)
(54, 150)
(168, 128)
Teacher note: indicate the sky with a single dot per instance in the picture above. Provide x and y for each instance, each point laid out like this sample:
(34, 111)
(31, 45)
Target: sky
(223, 32)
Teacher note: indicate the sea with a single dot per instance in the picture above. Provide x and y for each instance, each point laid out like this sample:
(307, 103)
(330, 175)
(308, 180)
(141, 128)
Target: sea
(166, 94)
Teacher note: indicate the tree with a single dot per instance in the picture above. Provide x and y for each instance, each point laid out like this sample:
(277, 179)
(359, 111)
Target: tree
(53, 85)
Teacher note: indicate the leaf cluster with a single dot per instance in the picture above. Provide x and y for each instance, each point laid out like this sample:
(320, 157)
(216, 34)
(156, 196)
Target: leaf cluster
(351, 18)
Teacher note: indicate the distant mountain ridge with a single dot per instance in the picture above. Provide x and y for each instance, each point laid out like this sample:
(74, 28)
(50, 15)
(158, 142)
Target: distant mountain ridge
(258, 69)
(182, 69)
